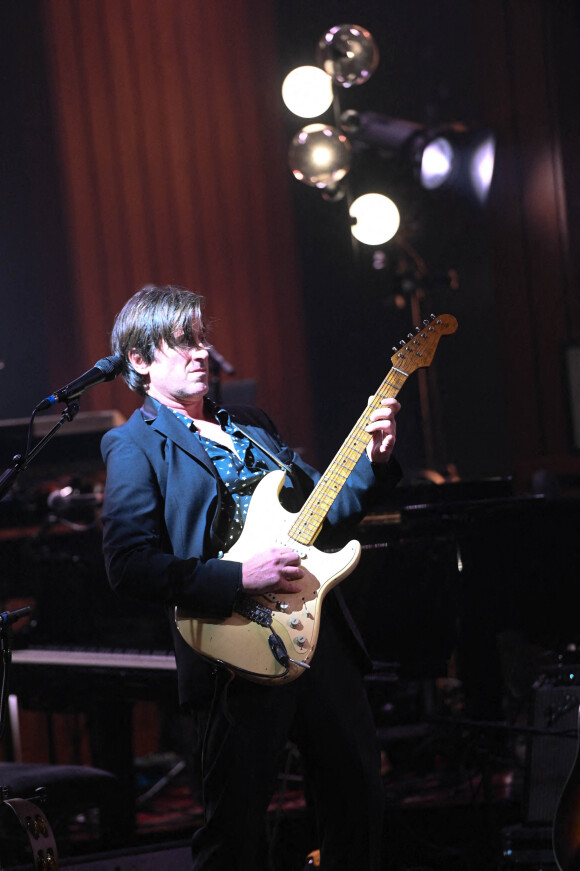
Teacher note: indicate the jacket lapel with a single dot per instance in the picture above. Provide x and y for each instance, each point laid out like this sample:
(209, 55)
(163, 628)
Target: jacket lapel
(163, 421)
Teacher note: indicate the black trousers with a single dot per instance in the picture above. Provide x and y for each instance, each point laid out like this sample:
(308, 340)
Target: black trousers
(326, 713)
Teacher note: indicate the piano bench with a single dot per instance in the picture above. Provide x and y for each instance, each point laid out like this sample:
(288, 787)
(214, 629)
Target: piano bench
(79, 801)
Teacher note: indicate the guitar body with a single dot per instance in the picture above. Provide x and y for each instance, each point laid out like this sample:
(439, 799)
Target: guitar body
(273, 638)
(241, 643)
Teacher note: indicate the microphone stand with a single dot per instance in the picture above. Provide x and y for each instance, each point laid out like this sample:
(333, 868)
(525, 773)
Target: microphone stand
(217, 365)
(215, 381)
(19, 463)
(43, 845)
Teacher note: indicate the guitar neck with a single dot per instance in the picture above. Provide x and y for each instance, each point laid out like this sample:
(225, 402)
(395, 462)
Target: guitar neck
(415, 354)
(309, 521)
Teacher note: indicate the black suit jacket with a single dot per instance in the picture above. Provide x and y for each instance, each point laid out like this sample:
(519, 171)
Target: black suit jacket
(162, 500)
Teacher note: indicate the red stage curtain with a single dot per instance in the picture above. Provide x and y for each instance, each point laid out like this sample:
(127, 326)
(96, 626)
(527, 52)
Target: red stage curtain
(169, 129)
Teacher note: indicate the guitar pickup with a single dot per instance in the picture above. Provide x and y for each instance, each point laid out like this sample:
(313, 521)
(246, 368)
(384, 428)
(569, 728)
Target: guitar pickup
(252, 610)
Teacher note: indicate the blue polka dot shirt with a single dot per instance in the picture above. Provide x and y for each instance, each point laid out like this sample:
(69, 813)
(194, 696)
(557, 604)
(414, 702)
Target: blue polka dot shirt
(240, 473)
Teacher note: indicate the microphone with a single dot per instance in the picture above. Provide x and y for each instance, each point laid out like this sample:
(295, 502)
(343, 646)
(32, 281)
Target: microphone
(9, 617)
(220, 361)
(103, 370)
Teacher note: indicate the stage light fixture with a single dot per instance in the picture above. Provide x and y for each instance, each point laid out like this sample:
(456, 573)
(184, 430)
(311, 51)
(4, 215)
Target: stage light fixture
(348, 53)
(459, 159)
(451, 156)
(482, 164)
(462, 161)
(430, 157)
(319, 155)
(437, 162)
(375, 219)
(307, 91)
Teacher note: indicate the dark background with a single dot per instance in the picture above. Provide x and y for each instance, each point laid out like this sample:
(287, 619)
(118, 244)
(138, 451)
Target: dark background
(426, 74)
(499, 400)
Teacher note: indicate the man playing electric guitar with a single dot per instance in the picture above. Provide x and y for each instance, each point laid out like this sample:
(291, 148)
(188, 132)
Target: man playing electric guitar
(180, 477)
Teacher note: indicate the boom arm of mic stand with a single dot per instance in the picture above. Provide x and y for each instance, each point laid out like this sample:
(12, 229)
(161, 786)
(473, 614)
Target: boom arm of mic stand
(20, 463)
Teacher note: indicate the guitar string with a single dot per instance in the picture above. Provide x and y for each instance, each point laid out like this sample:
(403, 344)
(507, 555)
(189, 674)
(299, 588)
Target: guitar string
(309, 522)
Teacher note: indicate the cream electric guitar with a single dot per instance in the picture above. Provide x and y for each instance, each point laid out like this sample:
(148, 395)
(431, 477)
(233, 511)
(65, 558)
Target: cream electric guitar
(271, 638)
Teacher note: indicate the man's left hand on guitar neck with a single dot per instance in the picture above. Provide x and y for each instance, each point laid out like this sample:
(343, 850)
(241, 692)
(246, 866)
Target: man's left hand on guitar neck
(383, 427)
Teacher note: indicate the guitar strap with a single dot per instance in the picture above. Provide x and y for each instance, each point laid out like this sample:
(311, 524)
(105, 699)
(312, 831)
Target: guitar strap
(273, 457)
(302, 485)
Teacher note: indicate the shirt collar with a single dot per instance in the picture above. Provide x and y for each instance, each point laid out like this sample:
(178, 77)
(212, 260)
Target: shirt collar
(152, 407)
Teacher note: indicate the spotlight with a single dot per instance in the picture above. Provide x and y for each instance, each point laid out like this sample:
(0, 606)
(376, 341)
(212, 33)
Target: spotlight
(482, 164)
(446, 157)
(459, 159)
(437, 162)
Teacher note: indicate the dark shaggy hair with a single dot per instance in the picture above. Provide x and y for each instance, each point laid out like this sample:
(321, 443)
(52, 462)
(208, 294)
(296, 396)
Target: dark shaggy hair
(153, 315)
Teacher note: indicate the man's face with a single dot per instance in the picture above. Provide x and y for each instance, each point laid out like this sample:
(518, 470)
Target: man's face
(178, 376)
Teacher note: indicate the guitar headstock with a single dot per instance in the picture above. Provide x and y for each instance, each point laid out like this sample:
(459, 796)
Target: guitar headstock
(419, 349)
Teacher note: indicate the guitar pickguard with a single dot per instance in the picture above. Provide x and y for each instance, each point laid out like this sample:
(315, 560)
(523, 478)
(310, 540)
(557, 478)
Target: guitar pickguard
(241, 643)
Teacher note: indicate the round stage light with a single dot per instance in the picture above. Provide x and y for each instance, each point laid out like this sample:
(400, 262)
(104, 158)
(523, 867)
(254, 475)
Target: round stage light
(376, 219)
(307, 91)
(319, 155)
